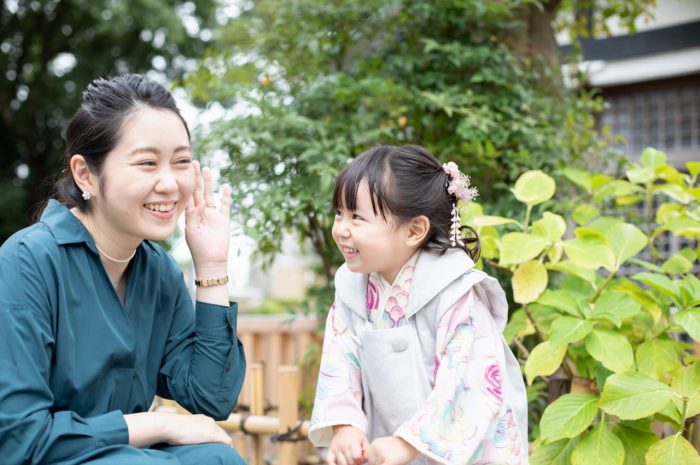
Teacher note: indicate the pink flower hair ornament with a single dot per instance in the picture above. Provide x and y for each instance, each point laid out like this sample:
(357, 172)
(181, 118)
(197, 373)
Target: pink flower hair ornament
(459, 186)
(459, 183)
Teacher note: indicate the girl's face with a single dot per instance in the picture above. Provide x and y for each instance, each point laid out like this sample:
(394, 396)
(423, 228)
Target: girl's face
(147, 179)
(368, 242)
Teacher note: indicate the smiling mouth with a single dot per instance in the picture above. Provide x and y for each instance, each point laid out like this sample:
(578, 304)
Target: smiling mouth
(349, 250)
(160, 207)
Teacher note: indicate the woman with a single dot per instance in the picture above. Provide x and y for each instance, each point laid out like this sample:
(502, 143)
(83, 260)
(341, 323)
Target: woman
(95, 318)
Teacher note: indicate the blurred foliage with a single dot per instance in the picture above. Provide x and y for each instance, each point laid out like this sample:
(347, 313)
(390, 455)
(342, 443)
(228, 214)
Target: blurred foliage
(49, 52)
(309, 84)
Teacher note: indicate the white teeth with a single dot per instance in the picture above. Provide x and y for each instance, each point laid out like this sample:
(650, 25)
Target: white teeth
(349, 250)
(160, 207)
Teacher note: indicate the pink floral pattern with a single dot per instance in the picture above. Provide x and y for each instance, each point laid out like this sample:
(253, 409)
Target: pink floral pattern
(492, 381)
(387, 306)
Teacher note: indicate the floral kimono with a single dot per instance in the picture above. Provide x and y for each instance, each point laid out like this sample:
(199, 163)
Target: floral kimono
(423, 359)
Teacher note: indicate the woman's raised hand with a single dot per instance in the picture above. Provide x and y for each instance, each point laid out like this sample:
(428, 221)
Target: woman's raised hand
(207, 226)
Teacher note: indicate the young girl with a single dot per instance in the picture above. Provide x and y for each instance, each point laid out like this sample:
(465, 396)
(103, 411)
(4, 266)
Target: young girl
(414, 368)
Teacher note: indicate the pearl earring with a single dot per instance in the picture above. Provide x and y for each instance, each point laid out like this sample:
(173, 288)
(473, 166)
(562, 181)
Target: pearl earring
(87, 195)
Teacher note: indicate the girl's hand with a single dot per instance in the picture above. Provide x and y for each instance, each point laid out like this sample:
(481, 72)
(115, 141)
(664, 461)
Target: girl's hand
(347, 447)
(390, 450)
(148, 428)
(206, 226)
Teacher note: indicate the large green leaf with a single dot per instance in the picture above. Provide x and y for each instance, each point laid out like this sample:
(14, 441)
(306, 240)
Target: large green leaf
(611, 349)
(529, 281)
(584, 214)
(543, 361)
(673, 450)
(555, 453)
(561, 300)
(659, 282)
(652, 158)
(627, 241)
(569, 267)
(658, 356)
(677, 264)
(689, 321)
(534, 187)
(519, 325)
(520, 247)
(567, 329)
(686, 384)
(637, 437)
(633, 395)
(579, 177)
(590, 251)
(550, 227)
(599, 446)
(615, 304)
(568, 416)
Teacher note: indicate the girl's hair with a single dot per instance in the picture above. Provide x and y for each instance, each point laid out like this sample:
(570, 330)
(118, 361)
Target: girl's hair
(95, 129)
(405, 182)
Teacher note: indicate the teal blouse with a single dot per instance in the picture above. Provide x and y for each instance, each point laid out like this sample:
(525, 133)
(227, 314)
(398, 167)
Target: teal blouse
(74, 360)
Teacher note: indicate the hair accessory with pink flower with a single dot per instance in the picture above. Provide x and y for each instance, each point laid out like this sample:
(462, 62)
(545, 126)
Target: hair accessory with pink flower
(459, 183)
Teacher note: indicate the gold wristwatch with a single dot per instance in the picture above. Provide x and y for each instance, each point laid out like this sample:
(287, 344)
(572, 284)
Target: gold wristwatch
(211, 282)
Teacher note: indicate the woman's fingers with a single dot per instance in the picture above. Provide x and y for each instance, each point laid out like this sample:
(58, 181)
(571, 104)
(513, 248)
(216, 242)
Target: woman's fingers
(197, 194)
(225, 207)
(209, 200)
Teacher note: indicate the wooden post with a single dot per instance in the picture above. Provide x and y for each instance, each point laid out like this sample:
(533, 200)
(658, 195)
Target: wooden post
(288, 389)
(257, 407)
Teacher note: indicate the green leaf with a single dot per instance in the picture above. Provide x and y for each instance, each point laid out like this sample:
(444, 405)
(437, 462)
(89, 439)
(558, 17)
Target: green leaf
(693, 168)
(611, 349)
(561, 300)
(486, 220)
(520, 247)
(579, 177)
(686, 384)
(551, 227)
(677, 264)
(626, 241)
(518, 326)
(689, 320)
(652, 158)
(640, 174)
(568, 416)
(659, 282)
(543, 361)
(676, 192)
(682, 226)
(673, 450)
(534, 187)
(584, 214)
(637, 437)
(529, 281)
(599, 446)
(569, 267)
(630, 396)
(590, 251)
(616, 304)
(555, 453)
(658, 356)
(567, 329)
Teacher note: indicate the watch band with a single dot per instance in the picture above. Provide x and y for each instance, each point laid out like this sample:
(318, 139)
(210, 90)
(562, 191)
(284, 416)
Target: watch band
(211, 282)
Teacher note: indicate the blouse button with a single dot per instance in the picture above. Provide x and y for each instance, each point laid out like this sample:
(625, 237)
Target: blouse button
(400, 345)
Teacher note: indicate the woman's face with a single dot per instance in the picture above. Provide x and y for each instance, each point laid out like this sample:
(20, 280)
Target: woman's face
(147, 179)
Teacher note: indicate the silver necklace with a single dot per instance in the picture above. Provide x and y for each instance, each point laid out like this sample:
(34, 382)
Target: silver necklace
(114, 259)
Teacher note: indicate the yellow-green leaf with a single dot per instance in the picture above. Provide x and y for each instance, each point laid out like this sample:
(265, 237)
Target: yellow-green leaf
(520, 247)
(611, 349)
(529, 281)
(597, 447)
(658, 356)
(534, 187)
(568, 416)
(543, 361)
(551, 227)
(673, 450)
(652, 158)
(555, 453)
(631, 396)
(689, 321)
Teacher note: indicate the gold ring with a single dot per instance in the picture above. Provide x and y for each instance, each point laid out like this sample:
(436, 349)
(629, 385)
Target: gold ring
(210, 205)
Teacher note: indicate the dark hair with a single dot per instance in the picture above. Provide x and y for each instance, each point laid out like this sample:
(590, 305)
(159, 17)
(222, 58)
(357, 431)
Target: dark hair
(95, 129)
(405, 182)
